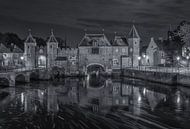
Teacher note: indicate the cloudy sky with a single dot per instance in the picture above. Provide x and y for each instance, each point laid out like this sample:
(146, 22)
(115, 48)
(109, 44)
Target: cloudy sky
(69, 18)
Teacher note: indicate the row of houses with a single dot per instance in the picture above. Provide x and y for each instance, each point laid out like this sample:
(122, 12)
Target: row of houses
(93, 50)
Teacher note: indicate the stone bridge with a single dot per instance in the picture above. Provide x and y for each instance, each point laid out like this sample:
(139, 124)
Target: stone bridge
(18, 75)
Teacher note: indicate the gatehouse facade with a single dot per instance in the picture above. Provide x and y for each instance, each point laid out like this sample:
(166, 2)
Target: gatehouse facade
(93, 50)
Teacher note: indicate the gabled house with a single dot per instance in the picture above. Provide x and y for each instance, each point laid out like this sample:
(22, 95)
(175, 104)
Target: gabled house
(155, 54)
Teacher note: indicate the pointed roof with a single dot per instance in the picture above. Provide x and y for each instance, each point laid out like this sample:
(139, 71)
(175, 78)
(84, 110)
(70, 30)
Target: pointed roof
(52, 38)
(133, 33)
(90, 39)
(120, 41)
(30, 38)
(4, 49)
(16, 49)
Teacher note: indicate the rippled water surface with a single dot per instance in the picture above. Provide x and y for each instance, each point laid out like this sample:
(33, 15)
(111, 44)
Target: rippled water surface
(91, 104)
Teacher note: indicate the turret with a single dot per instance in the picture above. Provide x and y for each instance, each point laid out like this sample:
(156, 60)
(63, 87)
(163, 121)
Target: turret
(30, 51)
(134, 46)
(52, 46)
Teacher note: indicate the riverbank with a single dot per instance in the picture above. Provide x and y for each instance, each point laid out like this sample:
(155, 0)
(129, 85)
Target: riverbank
(173, 79)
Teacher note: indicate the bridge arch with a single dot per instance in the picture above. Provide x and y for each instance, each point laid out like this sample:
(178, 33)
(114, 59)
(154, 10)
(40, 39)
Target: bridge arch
(95, 67)
(34, 76)
(4, 81)
(20, 78)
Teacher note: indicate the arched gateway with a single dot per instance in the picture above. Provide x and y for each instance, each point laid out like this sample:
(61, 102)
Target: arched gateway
(95, 67)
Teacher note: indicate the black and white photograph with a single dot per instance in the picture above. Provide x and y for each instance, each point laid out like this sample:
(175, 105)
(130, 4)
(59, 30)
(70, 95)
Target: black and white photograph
(94, 64)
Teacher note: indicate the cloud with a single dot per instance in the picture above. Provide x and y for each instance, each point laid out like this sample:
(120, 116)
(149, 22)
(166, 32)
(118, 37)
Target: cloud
(153, 16)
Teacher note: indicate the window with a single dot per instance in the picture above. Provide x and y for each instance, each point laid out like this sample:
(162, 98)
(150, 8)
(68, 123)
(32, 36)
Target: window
(116, 50)
(123, 50)
(95, 50)
(115, 62)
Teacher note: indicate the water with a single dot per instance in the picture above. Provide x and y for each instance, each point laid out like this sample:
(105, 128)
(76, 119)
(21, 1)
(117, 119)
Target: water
(88, 103)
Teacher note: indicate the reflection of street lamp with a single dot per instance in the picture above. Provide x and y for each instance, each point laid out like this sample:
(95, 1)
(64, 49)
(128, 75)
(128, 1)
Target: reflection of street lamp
(139, 59)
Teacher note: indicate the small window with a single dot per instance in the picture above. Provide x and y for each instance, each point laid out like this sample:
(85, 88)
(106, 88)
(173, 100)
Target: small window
(123, 50)
(28, 47)
(116, 50)
(115, 62)
(95, 50)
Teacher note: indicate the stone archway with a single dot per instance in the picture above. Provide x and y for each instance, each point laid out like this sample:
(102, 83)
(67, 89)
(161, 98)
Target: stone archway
(95, 67)
(20, 78)
(4, 82)
(94, 78)
(58, 72)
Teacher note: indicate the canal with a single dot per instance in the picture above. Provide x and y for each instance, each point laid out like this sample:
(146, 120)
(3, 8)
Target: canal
(94, 103)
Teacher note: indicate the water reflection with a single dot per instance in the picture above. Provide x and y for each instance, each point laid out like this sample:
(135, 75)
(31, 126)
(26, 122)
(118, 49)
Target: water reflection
(153, 105)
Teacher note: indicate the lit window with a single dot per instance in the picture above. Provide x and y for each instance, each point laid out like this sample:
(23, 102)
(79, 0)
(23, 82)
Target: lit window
(116, 50)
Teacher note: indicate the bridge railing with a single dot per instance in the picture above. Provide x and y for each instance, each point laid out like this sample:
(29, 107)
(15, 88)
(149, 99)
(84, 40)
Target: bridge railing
(17, 69)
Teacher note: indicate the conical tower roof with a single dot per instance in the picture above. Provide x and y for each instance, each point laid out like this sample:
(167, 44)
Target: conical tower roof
(133, 33)
(30, 38)
(52, 38)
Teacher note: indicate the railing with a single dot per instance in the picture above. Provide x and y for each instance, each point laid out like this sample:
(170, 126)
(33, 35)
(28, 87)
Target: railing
(17, 69)
(179, 70)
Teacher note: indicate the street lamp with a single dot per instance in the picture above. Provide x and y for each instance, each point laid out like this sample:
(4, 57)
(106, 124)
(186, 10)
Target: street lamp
(139, 59)
(187, 61)
(22, 58)
(178, 58)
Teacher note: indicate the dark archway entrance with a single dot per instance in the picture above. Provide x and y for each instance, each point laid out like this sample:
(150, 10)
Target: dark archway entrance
(20, 79)
(34, 76)
(94, 68)
(58, 72)
(94, 77)
(4, 82)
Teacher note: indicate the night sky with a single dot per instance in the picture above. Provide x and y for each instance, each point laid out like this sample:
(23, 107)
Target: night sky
(69, 18)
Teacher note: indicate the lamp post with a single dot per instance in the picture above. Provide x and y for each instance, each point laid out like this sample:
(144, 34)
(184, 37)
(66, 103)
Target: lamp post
(139, 59)
(178, 58)
(22, 60)
(187, 62)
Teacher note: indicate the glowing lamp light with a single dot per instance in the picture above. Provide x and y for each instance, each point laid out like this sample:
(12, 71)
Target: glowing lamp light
(178, 58)
(187, 57)
(139, 58)
(144, 56)
(139, 98)
(22, 58)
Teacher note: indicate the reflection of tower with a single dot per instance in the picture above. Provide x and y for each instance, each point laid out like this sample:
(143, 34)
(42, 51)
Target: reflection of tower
(30, 51)
(134, 46)
(52, 46)
(52, 104)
